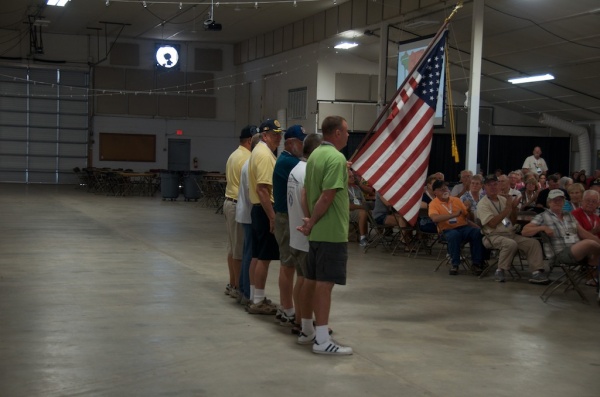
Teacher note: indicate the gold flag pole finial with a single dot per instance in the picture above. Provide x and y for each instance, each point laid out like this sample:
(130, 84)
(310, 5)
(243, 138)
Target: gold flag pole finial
(455, 10)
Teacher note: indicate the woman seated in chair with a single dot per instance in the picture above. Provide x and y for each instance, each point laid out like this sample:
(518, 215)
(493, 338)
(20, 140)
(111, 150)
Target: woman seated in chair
(530, 194)
(472, 197)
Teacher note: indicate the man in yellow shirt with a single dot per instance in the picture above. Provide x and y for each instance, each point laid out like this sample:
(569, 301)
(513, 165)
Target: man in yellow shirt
(264, 245)
(235, 234)
(450, 215)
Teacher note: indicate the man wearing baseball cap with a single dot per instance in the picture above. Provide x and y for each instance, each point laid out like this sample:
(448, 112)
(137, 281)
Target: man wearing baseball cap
(264, 245)
(498, 215)
(450, 215)
(287, 160)
(571, 243)
(233, 170)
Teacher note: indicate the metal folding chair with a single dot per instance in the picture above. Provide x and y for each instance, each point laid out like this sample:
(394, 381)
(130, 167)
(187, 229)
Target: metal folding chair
(380, 234)
(572, 275)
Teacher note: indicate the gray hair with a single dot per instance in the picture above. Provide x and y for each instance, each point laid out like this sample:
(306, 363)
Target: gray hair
(591, 193)
(562, 182)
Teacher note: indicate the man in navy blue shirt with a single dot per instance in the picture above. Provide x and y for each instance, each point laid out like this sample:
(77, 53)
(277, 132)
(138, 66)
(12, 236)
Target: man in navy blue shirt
(294, 136)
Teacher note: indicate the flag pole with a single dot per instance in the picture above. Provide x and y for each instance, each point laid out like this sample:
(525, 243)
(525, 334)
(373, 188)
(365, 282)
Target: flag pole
(409, 75)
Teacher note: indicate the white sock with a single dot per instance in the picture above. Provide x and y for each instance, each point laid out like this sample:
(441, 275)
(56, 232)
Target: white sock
(308, 327)
(259, 295)
(289, 312)
(363, 236)
(252, 293)
(322, 334)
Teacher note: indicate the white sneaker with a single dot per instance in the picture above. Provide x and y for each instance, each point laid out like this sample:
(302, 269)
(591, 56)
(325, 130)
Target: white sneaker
(364, 242)
(304, 339)
(332, 348)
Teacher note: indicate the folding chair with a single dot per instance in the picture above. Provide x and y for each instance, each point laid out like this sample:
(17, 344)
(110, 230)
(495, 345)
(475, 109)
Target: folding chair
(493, 262)
(572, 275)
(380, 234)
(464, 262)
(422, 239)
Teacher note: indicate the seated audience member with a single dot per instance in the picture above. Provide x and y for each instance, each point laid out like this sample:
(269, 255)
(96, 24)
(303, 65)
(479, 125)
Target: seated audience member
(358, 212)
(570, 242)
(384, 214)
(582, 178)
(514, 179)
(552, 185)
(505, 189)
(365, 187)
(589, 220)
(425, 223)
(498, 216)
(595, 175)
(529, 195)
(542, 182)
(463, 187)
(450, 214)
(439, 176)
(498, 172)
(564, 182)
(576, 194)
(472, 197)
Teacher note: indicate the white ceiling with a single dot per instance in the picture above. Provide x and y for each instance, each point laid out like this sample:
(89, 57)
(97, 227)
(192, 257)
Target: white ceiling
(521, 37)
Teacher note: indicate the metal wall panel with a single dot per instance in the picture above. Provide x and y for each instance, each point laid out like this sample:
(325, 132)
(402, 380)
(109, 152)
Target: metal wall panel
(43, 124)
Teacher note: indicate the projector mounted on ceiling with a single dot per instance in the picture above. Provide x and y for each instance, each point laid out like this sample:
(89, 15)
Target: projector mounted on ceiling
(209, 23)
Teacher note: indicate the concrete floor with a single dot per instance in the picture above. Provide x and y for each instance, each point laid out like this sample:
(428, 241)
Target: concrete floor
(123, 296)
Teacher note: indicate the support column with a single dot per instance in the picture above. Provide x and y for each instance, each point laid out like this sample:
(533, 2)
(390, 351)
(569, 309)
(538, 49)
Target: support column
(475, 85)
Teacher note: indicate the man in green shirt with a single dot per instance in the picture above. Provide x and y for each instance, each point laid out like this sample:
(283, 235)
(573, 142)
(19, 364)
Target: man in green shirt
(326, 190)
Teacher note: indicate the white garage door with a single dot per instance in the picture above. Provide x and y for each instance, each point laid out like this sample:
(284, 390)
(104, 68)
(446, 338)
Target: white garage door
(43, 124)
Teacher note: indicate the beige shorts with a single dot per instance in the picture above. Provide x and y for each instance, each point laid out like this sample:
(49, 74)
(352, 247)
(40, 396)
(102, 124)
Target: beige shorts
(299, 258)
(282, 235)
(235, 232)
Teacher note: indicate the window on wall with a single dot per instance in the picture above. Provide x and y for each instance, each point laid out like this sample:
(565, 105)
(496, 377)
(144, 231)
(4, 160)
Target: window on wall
(297, 104)
(43, 124)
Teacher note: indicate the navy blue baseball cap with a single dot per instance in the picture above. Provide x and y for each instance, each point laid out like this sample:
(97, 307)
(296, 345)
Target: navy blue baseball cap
(270, 125)
(248, 131)
(295, 131)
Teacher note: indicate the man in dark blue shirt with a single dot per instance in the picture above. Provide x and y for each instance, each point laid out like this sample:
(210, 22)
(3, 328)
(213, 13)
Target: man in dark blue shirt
(294, 136)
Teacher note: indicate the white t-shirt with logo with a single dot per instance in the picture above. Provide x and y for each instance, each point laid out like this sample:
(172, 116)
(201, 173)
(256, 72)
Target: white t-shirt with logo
(294, 199)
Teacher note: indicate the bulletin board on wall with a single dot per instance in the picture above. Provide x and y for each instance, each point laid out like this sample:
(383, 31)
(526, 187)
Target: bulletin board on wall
(127, 147)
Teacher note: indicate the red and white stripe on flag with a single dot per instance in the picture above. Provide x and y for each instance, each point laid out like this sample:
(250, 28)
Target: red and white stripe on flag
(395, 159)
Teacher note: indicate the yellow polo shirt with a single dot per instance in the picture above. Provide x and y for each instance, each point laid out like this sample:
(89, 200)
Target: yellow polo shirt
(260, 170)
(233, 170)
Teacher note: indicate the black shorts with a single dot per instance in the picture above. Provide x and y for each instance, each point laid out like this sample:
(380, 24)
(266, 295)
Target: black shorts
(327, 262)
(264, 245)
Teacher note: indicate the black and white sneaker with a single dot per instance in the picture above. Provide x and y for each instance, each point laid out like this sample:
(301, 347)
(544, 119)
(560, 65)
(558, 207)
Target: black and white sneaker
(331, 348)
(287, 321)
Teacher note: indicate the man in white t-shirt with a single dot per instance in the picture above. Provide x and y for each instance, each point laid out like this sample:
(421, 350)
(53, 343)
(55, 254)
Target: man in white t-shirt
(535, 163)
(296, 212)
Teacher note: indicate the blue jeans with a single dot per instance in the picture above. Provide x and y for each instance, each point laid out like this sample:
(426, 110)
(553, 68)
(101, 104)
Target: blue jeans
(455, 237)
(246, 259)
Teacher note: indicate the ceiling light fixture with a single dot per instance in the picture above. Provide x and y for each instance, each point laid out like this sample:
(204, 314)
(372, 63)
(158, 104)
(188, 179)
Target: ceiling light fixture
(58, 3)
(531, 79)
(345, 45)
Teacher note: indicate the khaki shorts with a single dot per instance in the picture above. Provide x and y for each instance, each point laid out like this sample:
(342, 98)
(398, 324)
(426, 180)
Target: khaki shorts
(235, 232)
(299, 258)
(282, 235)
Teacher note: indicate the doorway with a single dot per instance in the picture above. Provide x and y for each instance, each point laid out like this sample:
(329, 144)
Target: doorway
(179, 155)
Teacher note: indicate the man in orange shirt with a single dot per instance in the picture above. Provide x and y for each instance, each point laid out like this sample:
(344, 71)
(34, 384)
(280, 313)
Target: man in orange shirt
(450, 215)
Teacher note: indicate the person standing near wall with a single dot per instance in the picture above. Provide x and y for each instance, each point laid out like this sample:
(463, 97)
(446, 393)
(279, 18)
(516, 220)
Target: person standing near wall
(535, 163)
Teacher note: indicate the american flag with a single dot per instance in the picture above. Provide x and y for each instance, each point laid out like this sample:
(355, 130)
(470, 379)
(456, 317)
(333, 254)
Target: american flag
(394, 161)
